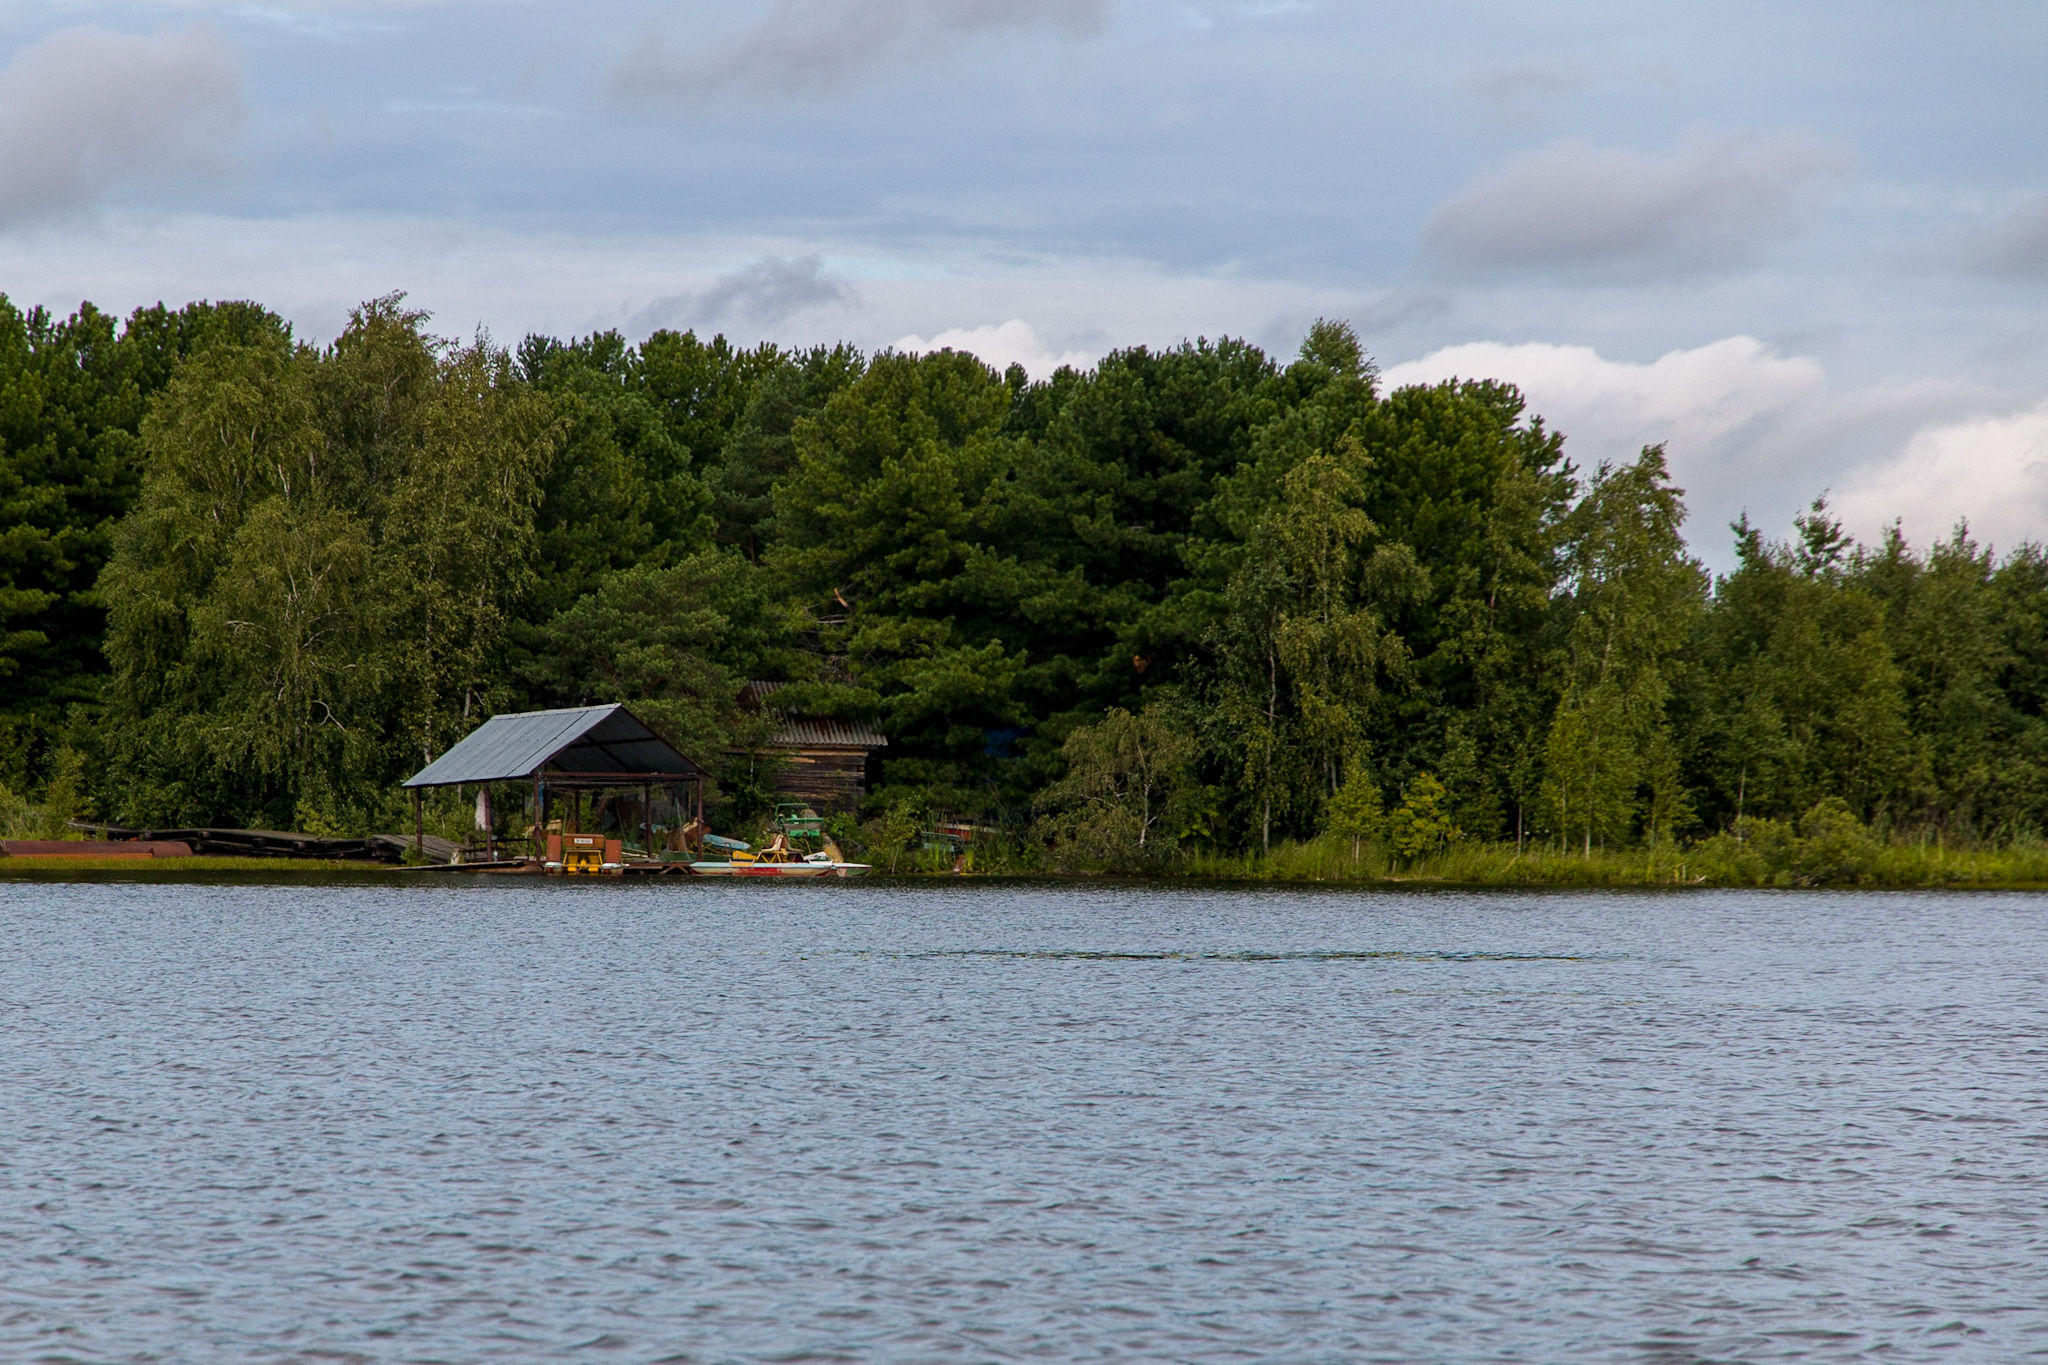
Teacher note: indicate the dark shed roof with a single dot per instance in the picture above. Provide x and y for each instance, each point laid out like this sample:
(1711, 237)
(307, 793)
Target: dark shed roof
(810, 732)
(584, 741)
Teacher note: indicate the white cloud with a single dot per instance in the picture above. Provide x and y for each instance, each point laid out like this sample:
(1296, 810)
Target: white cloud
(1750, 430)
(1991, 472)
(807, 44)
(1014, 342)
(1576, 208)
(1693, 398)
(86, 110)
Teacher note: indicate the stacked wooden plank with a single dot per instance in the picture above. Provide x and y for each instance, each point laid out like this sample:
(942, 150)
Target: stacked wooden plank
(94, 848)
(394, 847)
(268, 843)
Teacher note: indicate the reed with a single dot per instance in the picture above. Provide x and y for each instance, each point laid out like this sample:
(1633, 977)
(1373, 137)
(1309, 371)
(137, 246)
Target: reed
(1721, 861)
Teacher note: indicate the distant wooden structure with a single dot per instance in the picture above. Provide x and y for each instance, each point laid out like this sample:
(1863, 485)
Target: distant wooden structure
(94, 848)
(825, 761)
(260, 843)
(570, 753)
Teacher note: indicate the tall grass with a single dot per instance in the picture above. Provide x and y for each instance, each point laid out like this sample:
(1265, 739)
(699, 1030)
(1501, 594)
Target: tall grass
(1722, 861)
(1332, 859)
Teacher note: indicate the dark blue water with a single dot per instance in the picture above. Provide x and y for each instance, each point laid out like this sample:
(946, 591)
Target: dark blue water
(506, 1121)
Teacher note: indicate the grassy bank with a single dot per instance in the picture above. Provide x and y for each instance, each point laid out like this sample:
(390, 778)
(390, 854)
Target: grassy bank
(1824, 850)
(1721, 861)
(1718, 862)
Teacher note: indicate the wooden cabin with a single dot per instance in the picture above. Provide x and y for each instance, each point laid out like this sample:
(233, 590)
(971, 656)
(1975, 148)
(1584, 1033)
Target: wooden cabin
(825, 761)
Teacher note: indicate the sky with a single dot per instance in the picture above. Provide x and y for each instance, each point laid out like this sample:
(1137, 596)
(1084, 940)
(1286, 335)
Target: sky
(1805, 246)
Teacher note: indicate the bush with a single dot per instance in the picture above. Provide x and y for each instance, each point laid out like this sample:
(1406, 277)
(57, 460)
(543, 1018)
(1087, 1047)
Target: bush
(1421, 825)
(67, 798)
(18, 819)
(1833, 846)
(895, 836)
(1829, 847)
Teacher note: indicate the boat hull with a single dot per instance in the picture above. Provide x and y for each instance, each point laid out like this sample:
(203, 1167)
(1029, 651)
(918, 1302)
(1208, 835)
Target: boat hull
(724, 869)
(710, 869)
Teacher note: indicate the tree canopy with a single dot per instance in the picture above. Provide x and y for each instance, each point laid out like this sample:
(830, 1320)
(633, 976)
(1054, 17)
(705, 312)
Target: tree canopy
(1196, 594)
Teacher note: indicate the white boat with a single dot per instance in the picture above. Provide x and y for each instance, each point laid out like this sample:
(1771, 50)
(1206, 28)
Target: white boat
(839, 869)
(773, 861)
(726, 869)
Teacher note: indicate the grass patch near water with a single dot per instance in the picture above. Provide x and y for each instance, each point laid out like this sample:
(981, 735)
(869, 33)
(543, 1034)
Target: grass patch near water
(1721, 861)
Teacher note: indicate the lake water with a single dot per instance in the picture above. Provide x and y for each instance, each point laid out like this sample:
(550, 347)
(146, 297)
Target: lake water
(518, 1121)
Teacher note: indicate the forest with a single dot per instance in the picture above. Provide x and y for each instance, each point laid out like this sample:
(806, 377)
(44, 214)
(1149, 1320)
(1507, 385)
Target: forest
(1194, 602)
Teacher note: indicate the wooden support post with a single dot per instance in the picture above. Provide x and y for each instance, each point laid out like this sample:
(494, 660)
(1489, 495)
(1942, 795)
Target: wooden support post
(647, 817)
(419, 825)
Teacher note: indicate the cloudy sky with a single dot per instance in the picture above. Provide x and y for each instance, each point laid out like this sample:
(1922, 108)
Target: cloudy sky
(1804, 244)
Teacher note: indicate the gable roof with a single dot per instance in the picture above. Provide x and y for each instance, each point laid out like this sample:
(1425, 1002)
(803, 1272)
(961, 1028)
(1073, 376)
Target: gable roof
(809, 732)
(587, 741)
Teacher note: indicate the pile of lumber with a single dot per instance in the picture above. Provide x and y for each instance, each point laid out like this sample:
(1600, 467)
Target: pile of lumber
(394, 847)
(272, 843)
(94, 848)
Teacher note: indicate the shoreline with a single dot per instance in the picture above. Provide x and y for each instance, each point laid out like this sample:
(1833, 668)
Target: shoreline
(1548, 872)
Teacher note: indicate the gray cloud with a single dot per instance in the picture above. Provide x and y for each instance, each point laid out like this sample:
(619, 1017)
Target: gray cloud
(1518, 86)
(767, 292)
(1391, 309)
(2016, 246)
(801, 45)
(86, 110)
(1575, 208)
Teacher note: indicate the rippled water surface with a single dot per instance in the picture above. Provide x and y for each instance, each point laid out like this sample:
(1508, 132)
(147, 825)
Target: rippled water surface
(507, 1121)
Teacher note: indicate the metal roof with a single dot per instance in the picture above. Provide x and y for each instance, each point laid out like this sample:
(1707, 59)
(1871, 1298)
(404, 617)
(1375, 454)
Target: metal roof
(810, 732)
(801, 732)
(584, 741)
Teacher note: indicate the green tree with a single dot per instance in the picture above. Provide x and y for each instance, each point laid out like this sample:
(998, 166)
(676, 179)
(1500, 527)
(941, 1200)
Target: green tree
(761, 449)
(312, 594)
(73, 396)
(678, 642)
(1334, 644)
(1636, 595)
(884, 534)
(1797, 695)
(1125, 775)
(1355, 811)
(1420, 824)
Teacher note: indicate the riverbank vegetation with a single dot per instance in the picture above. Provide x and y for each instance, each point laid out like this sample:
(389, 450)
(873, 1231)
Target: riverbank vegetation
(1192, 610)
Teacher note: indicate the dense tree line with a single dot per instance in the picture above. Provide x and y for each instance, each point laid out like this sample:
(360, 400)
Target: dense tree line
(1190, 596)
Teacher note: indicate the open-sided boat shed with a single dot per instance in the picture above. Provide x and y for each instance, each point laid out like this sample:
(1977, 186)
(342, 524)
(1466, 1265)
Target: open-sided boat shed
(575, 750)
